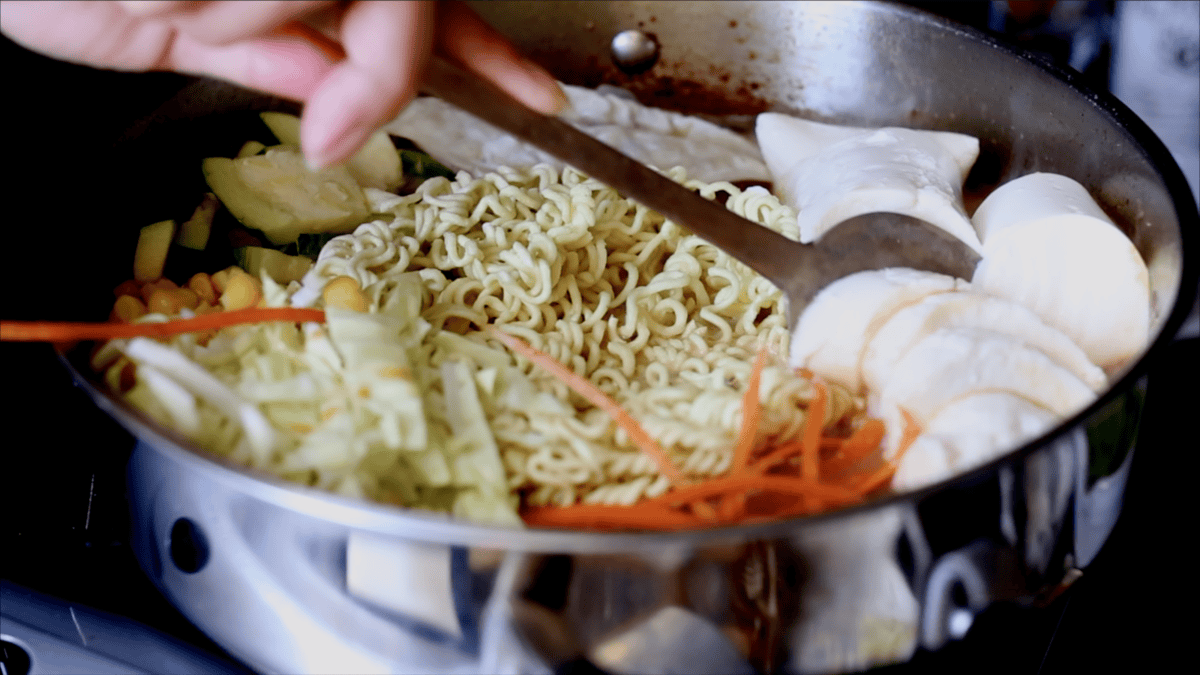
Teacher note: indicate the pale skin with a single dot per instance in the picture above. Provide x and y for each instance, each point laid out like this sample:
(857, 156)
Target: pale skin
(386, 46)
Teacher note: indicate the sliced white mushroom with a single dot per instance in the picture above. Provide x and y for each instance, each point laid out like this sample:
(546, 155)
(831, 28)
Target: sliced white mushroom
(968, 432)
(966, 309)
(1048, 246)
(950, 363)
(834, 329)
(831, 173)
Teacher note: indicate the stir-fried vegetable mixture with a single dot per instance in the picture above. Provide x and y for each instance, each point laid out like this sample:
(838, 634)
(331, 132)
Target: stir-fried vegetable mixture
(408, 380)
(528, 346)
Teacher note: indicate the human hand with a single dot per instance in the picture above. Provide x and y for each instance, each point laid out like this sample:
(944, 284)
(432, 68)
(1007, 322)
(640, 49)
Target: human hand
(386, 46)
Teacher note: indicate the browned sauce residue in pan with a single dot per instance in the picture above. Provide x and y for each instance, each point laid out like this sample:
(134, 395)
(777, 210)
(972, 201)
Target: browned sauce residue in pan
(658, 87)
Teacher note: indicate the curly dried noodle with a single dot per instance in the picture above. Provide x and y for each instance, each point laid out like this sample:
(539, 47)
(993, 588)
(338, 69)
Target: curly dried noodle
(658, 319)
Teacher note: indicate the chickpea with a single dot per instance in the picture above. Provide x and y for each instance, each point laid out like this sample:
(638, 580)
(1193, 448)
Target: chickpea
(202, 285)
(241, 292)
(221, 279)
(127, 308)
(186, 297)
(164, 301)
(345, 293)
(129, 287)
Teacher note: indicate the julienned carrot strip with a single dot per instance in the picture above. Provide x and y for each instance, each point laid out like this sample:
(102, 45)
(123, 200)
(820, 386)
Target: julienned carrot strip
(659, 514)
(912, 429)
(604, 517)
(745, 481)
(704, 510)
(798, 507)
(751, 411)
(814, 422)
(875, 480)
(778, 454)
(747, 484)
(861, 443)
(734, 505)
(865, 438)
(864, 441)
(64, 331)
(592, 393)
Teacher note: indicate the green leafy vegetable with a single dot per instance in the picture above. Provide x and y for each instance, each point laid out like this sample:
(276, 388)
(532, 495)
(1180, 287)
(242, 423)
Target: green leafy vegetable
(309, 245)
(417, 164)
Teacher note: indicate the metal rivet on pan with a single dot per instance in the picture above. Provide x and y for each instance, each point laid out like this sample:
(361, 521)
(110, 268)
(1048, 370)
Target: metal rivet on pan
(634, 51)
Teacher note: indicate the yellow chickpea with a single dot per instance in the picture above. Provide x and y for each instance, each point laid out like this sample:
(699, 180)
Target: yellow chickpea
(345, 293)
(164, 301)
(221, 279)
(186, 297)
(241, 292)
(163, 284)
(127, 308)
(129, 287)
(201, 284)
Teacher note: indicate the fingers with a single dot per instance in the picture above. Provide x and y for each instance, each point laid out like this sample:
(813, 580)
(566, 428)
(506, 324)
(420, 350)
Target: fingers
(265, 59)
(387, 44)
(283, 66)
(467, 39)
(153, 8)
(93, 33)
(223, 22)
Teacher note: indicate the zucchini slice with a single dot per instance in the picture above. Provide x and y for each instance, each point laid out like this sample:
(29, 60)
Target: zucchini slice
(194, 231)
(277, 193)
(150, 257)
(376, 165)
(281, 267)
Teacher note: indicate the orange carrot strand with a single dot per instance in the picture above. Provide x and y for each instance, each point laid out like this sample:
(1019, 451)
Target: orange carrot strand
(66, 331)
(605, 517)
(751, 412)
(777, 455)
(592, 393)
(814, 422)
(744, 482)
(832, 444)
(733, 505)
(881, 476)
(865, 438)
(876, 479)
(864, 441)
(704, 510)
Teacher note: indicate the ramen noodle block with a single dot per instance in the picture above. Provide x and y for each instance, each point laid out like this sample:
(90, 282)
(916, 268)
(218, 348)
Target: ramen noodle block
(653, 136)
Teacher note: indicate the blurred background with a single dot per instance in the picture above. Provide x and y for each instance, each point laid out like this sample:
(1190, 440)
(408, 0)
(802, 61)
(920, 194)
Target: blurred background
(1147, 53)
